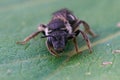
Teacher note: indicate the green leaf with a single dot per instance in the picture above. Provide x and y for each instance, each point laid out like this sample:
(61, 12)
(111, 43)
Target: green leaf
(19, 18)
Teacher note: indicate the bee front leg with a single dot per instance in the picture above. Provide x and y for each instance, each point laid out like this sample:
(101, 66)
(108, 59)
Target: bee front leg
(41, 28)
(28, 38)
(51, 49)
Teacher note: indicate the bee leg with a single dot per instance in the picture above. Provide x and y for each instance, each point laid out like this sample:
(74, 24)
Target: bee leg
(86, 26)
(76, 46)
(29, 38)
(87, 40)
(87, 29)
(51, 50)
(41, 28)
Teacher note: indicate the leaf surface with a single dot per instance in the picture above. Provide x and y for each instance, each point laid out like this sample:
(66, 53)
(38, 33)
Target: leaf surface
(19, 18)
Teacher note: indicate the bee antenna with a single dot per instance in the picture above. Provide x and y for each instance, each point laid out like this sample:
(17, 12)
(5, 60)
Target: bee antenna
(47, 36)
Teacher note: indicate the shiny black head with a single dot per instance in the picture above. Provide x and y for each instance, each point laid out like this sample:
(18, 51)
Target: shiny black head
(57, 34)
(58, 40)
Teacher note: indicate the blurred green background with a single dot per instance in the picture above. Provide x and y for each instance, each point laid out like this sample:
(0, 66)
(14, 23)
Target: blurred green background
(19, 18)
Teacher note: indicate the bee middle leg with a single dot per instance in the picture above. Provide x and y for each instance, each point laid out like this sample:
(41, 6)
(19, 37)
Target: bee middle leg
(86, 39)
(76, 45)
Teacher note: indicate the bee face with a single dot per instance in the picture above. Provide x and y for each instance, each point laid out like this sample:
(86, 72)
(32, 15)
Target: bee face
(58, 40)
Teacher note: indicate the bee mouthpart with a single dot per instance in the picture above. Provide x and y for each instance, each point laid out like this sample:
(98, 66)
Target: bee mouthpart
(59, 50)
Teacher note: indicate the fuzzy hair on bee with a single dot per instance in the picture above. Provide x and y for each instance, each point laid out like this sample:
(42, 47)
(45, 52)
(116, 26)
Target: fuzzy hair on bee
(63, 26)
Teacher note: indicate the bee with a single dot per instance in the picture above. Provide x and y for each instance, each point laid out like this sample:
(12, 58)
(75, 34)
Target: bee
(63, 26)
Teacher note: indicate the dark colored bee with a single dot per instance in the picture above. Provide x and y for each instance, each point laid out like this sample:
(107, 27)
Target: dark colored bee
(62, 27)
